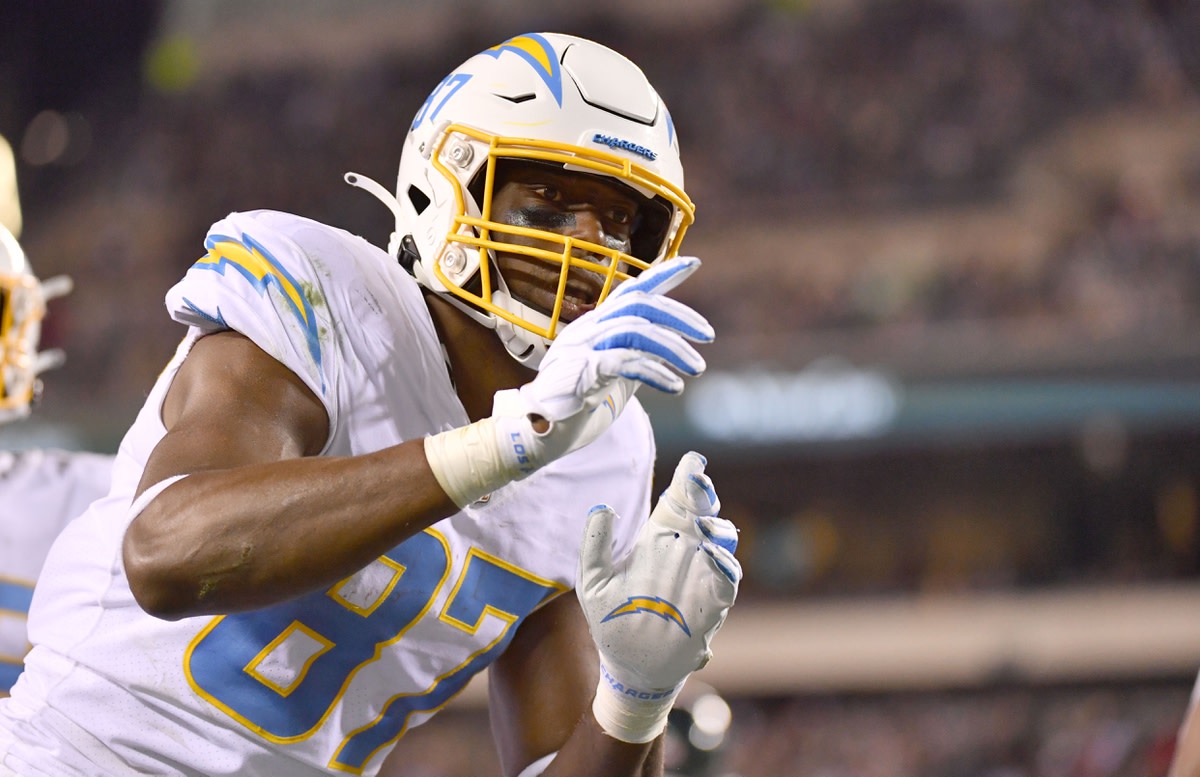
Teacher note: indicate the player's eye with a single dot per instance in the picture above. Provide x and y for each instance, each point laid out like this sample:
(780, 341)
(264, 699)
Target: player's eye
(547, 192)
(621, 215)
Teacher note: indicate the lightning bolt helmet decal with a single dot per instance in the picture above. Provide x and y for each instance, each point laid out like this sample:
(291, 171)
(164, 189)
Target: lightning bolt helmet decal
(540, 55)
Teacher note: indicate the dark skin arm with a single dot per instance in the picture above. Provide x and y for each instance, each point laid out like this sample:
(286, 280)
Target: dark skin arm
(1186, 761)
(540, 694)
(238, 533)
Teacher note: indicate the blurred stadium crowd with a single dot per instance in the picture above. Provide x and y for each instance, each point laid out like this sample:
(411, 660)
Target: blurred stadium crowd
(1061, 131)
(1000, 186)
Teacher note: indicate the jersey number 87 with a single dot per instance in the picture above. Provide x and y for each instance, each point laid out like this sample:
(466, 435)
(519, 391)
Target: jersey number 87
(281, 671)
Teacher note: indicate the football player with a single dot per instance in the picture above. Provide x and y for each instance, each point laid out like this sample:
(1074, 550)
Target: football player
(40, 489)
(364, 478)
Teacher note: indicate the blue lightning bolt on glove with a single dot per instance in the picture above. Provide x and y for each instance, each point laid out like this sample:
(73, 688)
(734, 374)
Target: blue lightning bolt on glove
(653, 614)
(636, 336)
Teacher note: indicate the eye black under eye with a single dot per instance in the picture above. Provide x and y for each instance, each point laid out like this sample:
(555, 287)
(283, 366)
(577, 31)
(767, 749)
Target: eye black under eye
(543, 218)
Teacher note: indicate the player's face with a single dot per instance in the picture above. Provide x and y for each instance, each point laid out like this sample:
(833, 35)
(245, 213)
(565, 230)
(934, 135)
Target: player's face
(578, 205)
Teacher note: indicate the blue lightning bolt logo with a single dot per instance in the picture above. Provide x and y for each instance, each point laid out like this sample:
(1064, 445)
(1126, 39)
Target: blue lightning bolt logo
(256, 264)
(655, 605)
(540, 55)
(534, 49)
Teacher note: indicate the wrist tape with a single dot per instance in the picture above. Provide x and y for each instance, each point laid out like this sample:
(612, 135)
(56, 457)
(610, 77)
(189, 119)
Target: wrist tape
(629, 714)
(474, 460)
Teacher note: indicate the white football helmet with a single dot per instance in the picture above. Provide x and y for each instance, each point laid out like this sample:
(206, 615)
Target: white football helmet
(542, 97)
(22, 307)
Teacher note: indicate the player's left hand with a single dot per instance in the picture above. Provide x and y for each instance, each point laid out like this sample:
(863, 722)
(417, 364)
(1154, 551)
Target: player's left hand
(653, 614)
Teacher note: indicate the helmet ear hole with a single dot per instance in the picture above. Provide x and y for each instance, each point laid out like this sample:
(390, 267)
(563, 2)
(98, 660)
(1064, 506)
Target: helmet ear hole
(418, 199)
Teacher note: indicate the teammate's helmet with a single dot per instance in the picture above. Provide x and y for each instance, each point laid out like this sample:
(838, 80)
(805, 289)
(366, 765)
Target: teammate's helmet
(22, 308)
(540, 97)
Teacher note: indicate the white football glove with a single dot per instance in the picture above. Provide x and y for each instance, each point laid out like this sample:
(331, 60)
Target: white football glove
(653, 614)
(637, 335)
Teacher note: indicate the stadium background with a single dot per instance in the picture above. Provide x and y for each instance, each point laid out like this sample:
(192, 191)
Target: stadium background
(952, 251)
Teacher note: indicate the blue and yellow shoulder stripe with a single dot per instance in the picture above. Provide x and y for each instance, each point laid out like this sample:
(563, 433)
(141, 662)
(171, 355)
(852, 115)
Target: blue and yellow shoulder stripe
(258, 266)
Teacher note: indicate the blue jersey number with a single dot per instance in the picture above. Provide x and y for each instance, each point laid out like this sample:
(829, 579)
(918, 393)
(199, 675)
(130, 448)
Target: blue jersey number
(14, 601)
(281, 671)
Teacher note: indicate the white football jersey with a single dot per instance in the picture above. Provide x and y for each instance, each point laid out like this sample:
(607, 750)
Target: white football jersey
(329, 682)
(41, 490)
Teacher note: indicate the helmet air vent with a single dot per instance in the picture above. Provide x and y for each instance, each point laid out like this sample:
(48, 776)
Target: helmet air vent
(606, 80)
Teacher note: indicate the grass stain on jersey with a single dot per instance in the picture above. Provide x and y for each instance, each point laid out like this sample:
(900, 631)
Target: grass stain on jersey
(316, 299)
(313, 294)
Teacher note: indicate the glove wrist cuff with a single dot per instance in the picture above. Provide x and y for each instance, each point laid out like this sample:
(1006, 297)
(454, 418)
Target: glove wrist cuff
(474, 460)
(629, 714)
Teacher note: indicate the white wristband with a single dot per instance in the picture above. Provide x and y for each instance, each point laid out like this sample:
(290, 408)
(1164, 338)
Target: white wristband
(478, 458)
(629, 714)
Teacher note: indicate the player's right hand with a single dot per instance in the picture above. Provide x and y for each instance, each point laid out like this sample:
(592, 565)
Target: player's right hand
(637, 336)
(637, 333)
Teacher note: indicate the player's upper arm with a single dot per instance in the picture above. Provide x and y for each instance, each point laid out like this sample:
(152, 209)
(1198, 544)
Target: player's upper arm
(229, 405)
(232, 404)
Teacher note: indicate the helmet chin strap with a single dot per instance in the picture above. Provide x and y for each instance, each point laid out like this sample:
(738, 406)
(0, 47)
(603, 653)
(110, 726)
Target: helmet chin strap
(376, 189)
(524, 346)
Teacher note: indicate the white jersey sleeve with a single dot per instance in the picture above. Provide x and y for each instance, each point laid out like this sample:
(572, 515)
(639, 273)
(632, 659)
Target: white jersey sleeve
(41, 490)
(262, 275)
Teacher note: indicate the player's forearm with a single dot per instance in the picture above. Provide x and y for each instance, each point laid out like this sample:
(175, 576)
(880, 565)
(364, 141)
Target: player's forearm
(235, 539)
(589, 752)
(1186, 760)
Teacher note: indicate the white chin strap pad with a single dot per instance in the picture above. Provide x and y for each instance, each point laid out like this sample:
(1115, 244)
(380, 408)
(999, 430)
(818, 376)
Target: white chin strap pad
(524, 346)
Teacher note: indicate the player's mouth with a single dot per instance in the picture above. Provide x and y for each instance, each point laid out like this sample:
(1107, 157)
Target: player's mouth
(537, 286)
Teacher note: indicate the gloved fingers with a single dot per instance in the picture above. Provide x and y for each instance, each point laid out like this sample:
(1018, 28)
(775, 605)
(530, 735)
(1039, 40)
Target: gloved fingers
(718, 531)
(727, 565)
(691, 491)
(650, 372)
(662, 344)
(719, 543)
(662, 311)
(595, 551)
(689, 494)
(660, 278)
